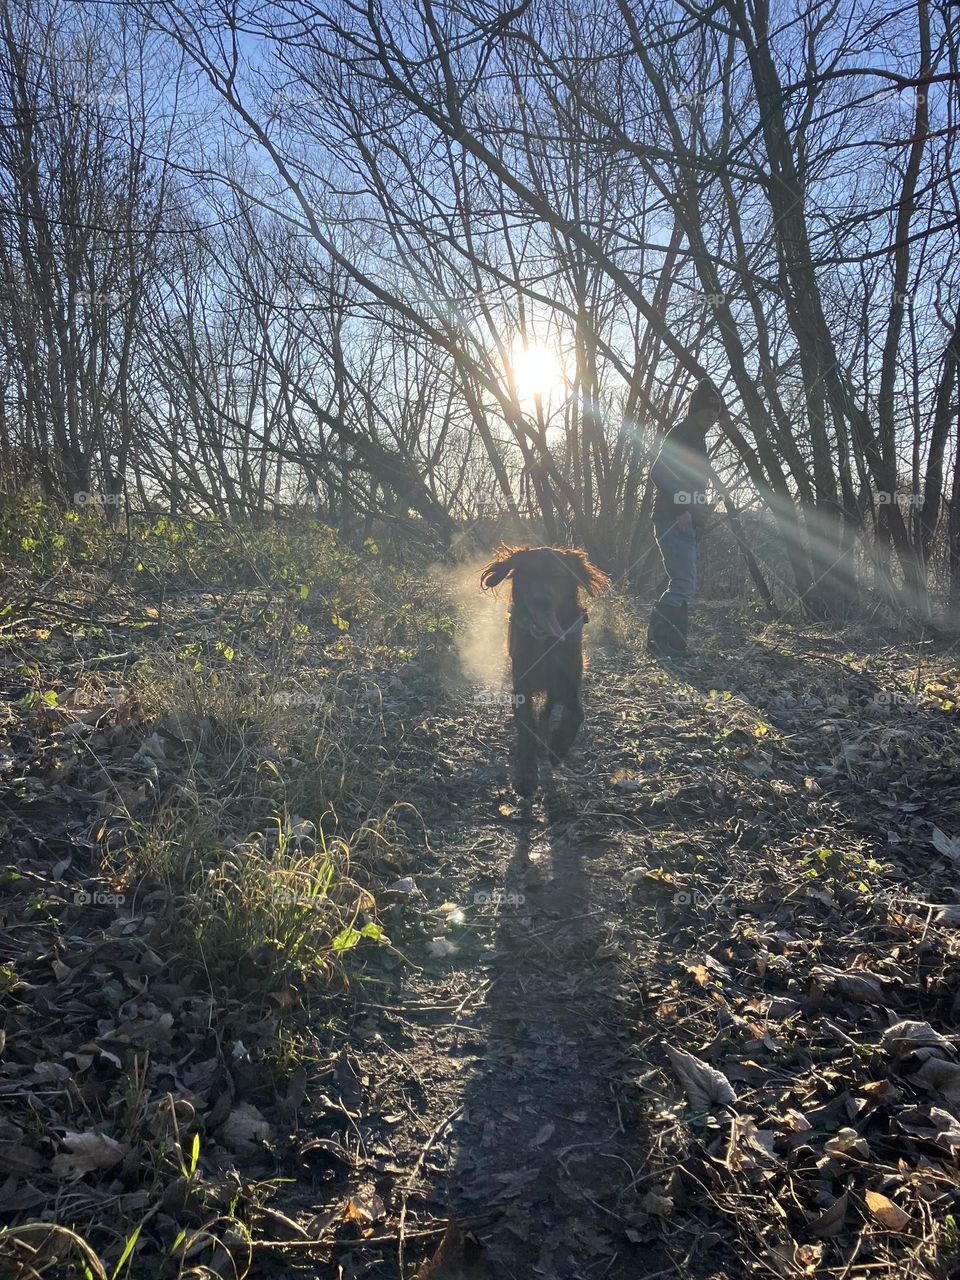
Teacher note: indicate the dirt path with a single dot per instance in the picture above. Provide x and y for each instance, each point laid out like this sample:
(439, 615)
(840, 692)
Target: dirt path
(520, 1040)
(666, 891)
(541, 1051)
(693, 1013)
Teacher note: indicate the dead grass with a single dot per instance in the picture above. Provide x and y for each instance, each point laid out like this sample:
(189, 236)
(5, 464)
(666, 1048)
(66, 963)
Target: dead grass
(222, 769)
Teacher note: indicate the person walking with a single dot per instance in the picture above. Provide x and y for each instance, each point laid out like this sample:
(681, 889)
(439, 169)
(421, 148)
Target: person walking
(681, 476)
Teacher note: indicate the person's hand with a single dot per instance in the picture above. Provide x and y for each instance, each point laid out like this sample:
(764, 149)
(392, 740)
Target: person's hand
(685, 522)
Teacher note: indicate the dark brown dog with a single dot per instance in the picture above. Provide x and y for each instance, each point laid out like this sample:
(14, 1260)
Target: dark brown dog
(545, 643)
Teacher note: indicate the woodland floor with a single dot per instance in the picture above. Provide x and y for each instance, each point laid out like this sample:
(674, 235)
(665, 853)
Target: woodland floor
(752, 861)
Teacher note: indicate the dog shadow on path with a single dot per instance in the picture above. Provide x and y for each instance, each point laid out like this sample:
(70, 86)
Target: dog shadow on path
(545, 1146)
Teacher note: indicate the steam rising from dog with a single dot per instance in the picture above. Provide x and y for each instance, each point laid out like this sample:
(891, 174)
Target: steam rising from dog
(481, 638)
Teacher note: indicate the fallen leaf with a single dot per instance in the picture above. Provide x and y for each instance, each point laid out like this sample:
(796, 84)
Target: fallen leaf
(625, 782)
(406, 886)
(847, 1142)
(941, 1076)
(830, 1222)
(329, 1147)
(949, 846)
(854, 984)
(705, 1086)
(282, 1227)
(441, 947)
(364, 1209)
(657, 1203)
(244, 1129)
(460, 1257)
(809, 1256)
(544, 1134)
(890, 1216)
(796, 1121)
(87, 1152)
(880, 1090)
(933, 1124)
(700, 973)
(152, 748)
(905, 1037)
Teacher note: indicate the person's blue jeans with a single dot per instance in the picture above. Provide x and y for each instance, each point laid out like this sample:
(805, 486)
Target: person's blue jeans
(678, 548)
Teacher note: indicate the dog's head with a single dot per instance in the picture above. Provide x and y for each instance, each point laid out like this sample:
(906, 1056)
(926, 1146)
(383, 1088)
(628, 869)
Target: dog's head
(546, 583)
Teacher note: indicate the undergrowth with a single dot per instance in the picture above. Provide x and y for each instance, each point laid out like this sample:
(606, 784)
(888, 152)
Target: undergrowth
(229, 698)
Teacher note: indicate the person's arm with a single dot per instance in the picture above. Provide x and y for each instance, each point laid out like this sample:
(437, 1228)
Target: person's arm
(694, 479)
(680, 474)
(667, 472)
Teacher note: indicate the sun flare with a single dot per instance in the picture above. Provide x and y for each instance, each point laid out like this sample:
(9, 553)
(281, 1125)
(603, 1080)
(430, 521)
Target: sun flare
(538, 371)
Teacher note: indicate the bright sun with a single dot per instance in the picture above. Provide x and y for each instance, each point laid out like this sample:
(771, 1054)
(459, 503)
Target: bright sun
(538, 371)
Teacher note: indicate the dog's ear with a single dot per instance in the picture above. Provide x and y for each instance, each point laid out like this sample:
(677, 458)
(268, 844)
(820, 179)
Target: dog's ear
(500, 567)
(592, 579)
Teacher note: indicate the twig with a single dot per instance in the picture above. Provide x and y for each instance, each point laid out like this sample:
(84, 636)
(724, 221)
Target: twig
(405, 1191)
(328, 1242)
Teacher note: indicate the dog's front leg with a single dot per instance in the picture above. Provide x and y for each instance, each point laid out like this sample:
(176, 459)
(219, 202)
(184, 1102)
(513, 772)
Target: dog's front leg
(525, 772)
(570, 721)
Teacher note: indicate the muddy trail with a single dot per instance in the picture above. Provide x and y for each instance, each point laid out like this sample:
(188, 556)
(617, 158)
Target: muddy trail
(694, 1011)
(642, 1030)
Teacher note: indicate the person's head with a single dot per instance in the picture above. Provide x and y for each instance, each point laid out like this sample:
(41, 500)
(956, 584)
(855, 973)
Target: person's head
(706, 404)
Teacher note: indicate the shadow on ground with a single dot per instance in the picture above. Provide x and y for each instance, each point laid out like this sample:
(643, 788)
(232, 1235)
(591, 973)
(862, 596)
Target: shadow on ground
(547, 1155)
